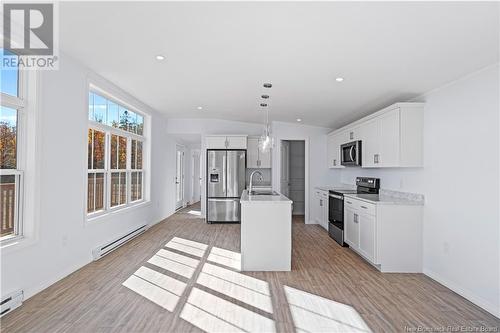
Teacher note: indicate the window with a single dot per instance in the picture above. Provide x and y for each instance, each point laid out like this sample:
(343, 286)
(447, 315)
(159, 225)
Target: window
(11, 169)
(115, 176)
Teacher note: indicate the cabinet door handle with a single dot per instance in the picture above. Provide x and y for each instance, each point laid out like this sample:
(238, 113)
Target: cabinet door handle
(356, 218)
(334, 162)
(321, 203)
(350, 203)
(351, 135)
(375, 158)
(364, 207)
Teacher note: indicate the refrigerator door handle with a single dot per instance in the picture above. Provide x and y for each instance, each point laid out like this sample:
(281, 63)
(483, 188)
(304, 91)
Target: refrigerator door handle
(224, 173)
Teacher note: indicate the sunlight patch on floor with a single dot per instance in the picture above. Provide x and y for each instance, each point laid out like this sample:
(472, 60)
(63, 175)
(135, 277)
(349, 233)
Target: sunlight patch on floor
(312, 313)
(237, 278)
(213, 314)
(173, 256)
(183, 247)
(156, 287)
(201, 246)
(225, 257)
(172, 266)
(243, 294)
(195, 212)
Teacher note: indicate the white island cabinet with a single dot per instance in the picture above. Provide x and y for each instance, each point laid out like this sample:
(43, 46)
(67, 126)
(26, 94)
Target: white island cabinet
(266, 232)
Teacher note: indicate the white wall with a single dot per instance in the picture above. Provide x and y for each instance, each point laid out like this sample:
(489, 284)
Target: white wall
(64, 242)
(460, 181)
(315, 147)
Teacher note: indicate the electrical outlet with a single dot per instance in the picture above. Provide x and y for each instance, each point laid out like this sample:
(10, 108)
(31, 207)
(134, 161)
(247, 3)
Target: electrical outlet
(64, 240)
(446, 248)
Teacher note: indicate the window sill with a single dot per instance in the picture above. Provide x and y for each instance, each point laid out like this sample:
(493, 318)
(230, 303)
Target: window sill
(15, 243)
(113, 213)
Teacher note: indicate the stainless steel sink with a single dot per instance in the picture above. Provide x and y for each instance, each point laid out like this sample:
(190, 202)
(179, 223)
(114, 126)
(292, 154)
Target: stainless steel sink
(264, 192)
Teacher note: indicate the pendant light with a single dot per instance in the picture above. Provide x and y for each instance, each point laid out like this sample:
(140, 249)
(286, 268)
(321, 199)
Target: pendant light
(266, 141)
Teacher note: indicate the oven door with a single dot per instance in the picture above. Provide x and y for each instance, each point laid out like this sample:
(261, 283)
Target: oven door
(336, 208)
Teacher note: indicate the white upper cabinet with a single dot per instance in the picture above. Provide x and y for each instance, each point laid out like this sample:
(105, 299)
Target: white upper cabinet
(333, 149)
(253, 153)
(216, 142)
(226, 141)
(255, 157)
(392, 137)
(237, 142)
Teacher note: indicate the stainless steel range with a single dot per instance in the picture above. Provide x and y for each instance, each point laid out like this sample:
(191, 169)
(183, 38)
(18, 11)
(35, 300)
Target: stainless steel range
(336, 205)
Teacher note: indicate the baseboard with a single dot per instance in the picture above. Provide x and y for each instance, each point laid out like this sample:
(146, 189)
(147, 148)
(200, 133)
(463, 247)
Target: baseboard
(30, 292)
(467, 294)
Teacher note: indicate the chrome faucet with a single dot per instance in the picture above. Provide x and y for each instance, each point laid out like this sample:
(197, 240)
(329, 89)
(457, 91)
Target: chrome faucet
(251, 179)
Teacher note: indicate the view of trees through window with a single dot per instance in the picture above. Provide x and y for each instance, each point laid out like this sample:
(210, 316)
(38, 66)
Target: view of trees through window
(11, 175)
(115, 157)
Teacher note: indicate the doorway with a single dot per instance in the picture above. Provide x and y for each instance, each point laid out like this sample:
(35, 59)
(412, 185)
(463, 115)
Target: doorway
(196, 177)
(293, 173)
(179, 177)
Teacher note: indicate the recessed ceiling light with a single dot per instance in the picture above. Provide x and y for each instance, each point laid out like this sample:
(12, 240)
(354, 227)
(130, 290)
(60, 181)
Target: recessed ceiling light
(200, 107)
(160, 57)
(339, 79)
(263, 105)
(299, 120)
(265, 96)
(267, 85)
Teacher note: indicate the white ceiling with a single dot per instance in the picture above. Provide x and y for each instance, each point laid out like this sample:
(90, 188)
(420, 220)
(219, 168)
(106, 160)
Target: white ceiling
(218, 54)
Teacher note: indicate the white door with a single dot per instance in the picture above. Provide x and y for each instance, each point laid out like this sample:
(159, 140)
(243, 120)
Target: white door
(236, 142)
(265, 159)
(179, 178)
(285, 168)
(370, 143)
(216, 142)
(367, 236)
(196, 181)
(389, 139)
(253, 153)
(351, 227)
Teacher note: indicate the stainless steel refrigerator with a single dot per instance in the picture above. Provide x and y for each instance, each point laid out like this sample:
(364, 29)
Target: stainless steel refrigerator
(225, 181)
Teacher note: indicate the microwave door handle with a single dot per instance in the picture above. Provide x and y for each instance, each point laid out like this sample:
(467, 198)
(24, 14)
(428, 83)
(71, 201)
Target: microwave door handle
(350, 153)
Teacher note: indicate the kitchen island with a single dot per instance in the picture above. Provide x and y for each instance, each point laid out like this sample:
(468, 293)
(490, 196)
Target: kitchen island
(266, 232)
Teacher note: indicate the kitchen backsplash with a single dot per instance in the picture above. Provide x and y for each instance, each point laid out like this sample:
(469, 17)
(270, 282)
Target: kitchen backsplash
(266, 175)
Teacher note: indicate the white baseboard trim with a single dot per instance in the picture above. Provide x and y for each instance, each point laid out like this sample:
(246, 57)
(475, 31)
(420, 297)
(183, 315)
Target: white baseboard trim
(469, 295)
(311, 222)
(30, 292)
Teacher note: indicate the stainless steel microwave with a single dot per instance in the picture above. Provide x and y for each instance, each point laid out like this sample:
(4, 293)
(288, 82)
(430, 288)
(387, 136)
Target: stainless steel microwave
(350, 153)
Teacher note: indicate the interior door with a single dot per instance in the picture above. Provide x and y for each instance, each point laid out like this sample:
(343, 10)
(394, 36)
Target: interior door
(196, 181)
(285, 168)
(179, 178)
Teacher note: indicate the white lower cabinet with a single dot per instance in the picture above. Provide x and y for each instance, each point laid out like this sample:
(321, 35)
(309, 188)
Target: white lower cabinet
(320, 209)
(386, 235)
(367, 233)
(351, 228)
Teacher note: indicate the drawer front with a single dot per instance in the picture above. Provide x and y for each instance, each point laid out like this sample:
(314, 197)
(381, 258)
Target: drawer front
(349, 202)
(365, 207)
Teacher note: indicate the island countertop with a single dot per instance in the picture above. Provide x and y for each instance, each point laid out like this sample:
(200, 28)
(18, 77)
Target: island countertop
(272, 199)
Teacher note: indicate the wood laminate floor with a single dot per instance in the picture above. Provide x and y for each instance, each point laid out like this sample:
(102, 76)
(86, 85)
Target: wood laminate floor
(182, 276)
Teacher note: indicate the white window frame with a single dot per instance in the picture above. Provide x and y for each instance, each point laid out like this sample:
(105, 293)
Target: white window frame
(109, 130)
(27, 151)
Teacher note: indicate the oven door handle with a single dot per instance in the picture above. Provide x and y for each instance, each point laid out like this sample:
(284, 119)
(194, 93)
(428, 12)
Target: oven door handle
(336, 196)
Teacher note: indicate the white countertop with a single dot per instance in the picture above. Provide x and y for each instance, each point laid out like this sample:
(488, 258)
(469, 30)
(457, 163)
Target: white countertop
(381, 199)
(336, 187)
(273, 199)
